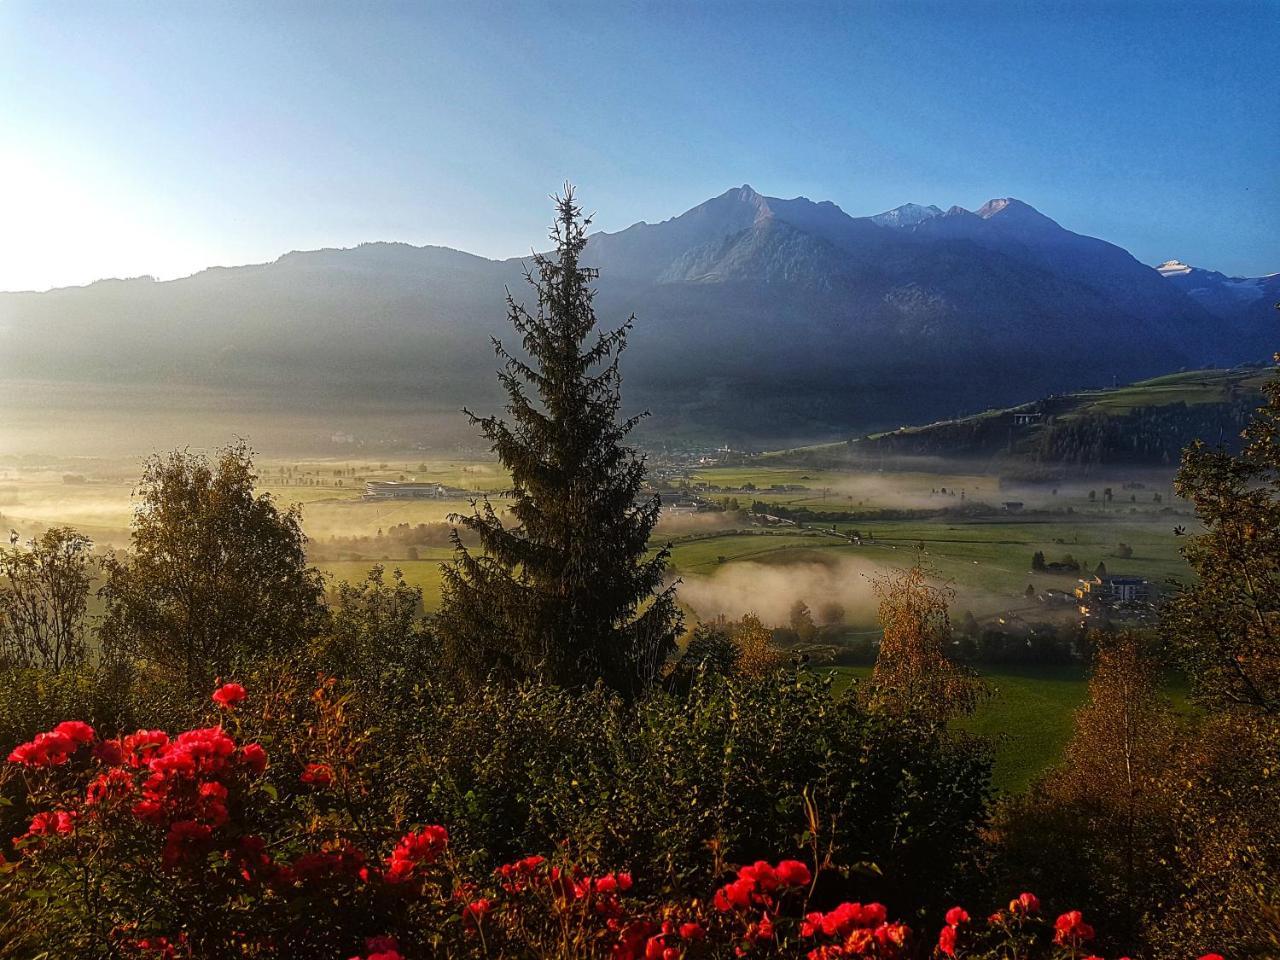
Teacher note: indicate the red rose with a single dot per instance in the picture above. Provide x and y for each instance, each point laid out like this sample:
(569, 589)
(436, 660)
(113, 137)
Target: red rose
(1071, 930)
(421, 847)
(1026, 903)
(77, 730)
(793, 873)
(254, 757)
(947, 940)
(319, 774)
(957, 916)
(692, 931)
(228, 695)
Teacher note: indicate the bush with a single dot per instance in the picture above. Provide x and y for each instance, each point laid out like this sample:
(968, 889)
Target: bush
(676, 784)
(204, 845)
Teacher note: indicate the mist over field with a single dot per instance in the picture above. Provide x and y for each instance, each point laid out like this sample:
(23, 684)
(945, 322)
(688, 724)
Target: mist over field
(769, 590)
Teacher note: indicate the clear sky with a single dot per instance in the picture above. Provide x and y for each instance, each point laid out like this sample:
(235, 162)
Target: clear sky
(161, 136)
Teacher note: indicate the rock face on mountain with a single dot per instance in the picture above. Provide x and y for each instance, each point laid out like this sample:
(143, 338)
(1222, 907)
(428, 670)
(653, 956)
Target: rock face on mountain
(758, 319)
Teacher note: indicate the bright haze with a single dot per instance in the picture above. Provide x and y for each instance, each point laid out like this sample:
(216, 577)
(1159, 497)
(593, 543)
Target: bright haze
(163, 138)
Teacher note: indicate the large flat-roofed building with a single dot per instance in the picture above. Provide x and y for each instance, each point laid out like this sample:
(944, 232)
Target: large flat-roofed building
(1117, 589)
(404, 490)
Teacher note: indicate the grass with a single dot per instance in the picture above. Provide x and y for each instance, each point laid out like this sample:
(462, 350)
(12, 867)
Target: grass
(1029, 718)
(1190, 387)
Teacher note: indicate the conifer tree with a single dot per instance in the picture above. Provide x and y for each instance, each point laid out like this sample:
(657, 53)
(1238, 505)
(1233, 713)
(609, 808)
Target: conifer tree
(566, 587)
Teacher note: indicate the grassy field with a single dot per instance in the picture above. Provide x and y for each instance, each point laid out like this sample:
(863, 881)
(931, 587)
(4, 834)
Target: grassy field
(1029, 717)
(987, 562)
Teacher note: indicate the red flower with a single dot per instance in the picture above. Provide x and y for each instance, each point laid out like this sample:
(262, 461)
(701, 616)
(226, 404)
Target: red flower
(109, 753)
(692, 931)
(475, 912)
(1026, 903)
(1071, 930)
(892, 934)
(793, 873)
(59, 822)
(185, 837)
(957, 916)
(1212, 956)
(318, 774)
(381, 948)
(947, 940)
(761, 931)
(228, 695)
(45, 750)
(79, 731)
(109, 785)
(762, 875)
(415, 849)
(254, 757)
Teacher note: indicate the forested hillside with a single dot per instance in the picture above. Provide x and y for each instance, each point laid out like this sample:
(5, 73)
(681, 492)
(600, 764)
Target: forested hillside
(1145, 424)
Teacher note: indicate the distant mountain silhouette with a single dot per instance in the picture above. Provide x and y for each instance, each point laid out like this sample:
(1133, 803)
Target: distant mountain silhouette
(758, 319)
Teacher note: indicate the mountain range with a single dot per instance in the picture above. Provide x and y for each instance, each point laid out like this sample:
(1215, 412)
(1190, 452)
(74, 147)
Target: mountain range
(758, 319)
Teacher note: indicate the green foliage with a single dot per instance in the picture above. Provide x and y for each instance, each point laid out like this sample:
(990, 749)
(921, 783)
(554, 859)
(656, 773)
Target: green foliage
(569, 592)
(1226, 841)
(676, 784)
(1097, 826)
(376, 637)
(215, 576)
(710, 649)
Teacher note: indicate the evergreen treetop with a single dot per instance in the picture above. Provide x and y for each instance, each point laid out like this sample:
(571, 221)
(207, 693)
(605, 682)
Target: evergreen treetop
(566, 587)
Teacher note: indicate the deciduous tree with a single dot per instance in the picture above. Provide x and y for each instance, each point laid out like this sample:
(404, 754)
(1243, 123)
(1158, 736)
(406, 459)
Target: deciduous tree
(215, 575)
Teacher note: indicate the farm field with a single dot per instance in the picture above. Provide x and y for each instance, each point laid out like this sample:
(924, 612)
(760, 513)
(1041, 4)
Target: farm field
(986, 557)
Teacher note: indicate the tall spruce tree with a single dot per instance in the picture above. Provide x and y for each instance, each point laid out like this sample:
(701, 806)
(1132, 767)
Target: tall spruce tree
(566, 589)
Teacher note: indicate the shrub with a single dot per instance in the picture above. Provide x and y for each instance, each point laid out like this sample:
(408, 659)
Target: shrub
(43, 593)
(736, 768)
(203, 845)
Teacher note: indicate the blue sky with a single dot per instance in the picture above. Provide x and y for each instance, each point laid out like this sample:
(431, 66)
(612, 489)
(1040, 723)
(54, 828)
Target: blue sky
(162, 137)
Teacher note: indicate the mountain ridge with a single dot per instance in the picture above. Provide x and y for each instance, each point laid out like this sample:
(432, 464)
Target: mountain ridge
(759, 317)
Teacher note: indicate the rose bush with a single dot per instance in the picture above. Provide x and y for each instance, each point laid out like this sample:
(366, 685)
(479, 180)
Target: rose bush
(149, 844)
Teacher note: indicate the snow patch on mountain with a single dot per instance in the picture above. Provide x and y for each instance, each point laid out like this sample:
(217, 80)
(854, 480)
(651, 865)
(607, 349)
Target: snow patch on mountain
(906, 215)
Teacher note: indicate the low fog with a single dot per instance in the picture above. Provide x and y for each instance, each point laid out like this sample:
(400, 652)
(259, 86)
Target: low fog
(769, 590)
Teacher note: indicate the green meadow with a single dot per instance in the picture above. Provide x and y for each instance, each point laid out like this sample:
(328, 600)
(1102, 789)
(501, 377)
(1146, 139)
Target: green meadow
(1028, 718)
